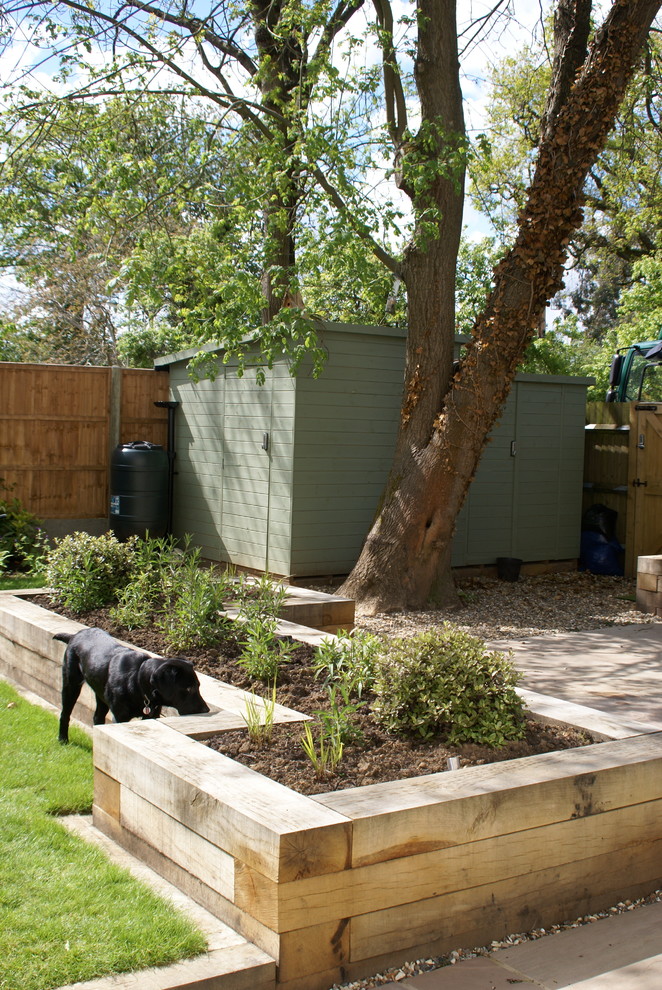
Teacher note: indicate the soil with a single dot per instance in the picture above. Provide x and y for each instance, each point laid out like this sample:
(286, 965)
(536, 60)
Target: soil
(374, 757)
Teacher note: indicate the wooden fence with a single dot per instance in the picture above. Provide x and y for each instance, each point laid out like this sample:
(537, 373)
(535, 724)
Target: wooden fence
(623, 470)
(59, 425)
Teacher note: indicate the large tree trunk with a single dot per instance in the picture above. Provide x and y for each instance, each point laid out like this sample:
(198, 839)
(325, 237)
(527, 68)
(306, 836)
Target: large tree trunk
(401, 559)
(282, 71)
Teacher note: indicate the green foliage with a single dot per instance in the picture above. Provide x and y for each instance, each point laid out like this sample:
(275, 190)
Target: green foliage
(22, 541)
(473, 279)
(501, 169)
(259, 598)
(565, 349)
(172, 588)
(622, 213)
(87, 572)
(123, 175)
(263, 651)
(326, 752)
(193, 599)
(445, 682)
(259, 719)
(339, 722)
(68, 914)
(348, 661)
(170, 216)
(641, 304)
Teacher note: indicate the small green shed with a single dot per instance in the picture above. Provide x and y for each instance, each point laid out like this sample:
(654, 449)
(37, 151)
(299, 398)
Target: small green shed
(287, 476)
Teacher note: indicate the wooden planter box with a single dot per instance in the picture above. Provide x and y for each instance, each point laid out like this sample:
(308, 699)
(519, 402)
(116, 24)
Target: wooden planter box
(342, 884)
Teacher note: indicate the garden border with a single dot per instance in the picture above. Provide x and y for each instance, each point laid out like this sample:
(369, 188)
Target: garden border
(341, 885)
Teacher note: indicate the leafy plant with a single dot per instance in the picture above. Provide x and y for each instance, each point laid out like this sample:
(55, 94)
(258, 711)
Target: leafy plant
(139, 599)
(339, 719)
(259, 603)
(22, 541)
(259, 719)
(447, 682)
(263, 651)
(260, 597)
(194, 598)
(86, 572)
(350, 660)
(326, 754)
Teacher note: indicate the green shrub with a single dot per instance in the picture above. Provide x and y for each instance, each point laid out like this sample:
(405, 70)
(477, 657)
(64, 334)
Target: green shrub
(155, 563)
(446, 682)
(348, 660)
(259, 598)
(263, 652)
(86, 572)
(193, 598)
(21, 538)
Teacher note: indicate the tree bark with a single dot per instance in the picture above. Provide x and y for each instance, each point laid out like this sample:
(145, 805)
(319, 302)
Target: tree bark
(400, 561)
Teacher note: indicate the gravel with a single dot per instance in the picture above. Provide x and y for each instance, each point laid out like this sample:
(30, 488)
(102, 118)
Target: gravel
(491, 609)
(414, 968)
(533, 606)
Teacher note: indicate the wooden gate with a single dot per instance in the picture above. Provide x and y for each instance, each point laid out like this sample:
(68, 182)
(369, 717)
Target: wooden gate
(623, 470)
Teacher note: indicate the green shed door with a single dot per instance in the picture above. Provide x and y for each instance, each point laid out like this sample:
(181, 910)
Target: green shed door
(485, 526)
(525, 500)
(247, 429)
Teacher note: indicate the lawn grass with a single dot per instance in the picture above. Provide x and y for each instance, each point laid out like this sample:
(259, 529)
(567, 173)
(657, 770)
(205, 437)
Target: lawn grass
(66, 913)
(12, 582)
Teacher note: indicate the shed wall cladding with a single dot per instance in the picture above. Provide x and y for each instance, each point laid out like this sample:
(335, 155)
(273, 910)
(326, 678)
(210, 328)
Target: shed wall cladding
(230, 493)
(345, 428)
(525, 500)
(302, 506)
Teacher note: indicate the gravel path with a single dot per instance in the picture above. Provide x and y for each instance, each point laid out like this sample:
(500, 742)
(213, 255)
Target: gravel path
(532, 606)
(492, 609)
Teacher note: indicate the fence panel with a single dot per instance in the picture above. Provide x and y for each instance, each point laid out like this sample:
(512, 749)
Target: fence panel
(58, 425)
(139, 418)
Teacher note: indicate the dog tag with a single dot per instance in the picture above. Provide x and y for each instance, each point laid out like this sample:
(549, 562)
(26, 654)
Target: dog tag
(147, 711)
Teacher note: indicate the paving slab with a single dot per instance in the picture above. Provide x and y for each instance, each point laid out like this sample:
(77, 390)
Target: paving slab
(471, 974)
(591, 954)
(621, 952)
(617, 670)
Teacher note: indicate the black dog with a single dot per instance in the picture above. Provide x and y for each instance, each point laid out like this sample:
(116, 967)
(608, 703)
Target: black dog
(126, 683)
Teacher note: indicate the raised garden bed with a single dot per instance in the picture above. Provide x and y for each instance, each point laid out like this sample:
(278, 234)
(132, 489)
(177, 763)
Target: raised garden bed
(341, 884)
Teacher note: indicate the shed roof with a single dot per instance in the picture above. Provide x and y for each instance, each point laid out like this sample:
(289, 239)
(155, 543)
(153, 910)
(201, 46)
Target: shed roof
(357, 328)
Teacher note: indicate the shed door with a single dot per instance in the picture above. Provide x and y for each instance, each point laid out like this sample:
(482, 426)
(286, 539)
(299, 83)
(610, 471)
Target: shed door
(489, 507)
(247, 418)
(645, 485)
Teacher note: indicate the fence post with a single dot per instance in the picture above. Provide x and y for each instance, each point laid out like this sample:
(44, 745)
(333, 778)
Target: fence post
(114, 410)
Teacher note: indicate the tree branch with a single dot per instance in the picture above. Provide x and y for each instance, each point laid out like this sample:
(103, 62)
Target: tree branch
(572, 23)
(198, 27)
(396, 106)
(361, 229)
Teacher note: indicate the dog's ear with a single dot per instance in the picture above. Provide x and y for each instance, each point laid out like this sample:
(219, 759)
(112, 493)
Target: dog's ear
(165, 677)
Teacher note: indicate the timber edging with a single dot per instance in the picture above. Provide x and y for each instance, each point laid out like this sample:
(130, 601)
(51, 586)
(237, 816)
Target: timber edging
(340, 885)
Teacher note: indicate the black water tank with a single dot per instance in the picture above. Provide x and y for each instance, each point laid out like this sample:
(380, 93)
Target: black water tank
(138, 490)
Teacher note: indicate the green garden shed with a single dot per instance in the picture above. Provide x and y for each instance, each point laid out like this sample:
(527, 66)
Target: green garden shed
(286, 476)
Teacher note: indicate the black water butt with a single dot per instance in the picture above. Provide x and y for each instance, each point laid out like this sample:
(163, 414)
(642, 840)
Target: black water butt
(139, 485)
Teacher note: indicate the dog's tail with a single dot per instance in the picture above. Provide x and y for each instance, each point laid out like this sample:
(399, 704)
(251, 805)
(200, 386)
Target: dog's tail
(63, 637)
